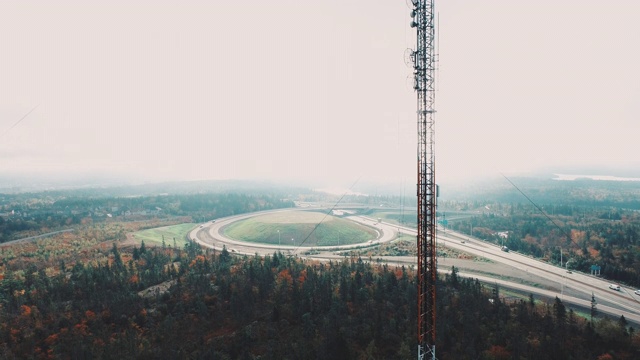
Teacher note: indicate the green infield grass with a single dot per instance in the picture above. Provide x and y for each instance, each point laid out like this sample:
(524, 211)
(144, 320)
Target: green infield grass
(300, 228)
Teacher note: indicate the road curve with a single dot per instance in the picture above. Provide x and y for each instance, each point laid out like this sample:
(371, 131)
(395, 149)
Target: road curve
(13, 242)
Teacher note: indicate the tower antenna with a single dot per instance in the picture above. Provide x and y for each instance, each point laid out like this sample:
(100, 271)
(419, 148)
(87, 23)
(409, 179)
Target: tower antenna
(424, 72)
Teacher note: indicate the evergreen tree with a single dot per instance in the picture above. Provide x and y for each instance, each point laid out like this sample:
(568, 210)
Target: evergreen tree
(560, 311)
(594, 307)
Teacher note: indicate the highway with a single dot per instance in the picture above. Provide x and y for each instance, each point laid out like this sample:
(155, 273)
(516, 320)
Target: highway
(573, 288)
(582, 285)
(30, 238)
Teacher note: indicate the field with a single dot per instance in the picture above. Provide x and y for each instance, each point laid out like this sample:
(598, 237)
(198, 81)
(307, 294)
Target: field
(174, 235)
(300, 228)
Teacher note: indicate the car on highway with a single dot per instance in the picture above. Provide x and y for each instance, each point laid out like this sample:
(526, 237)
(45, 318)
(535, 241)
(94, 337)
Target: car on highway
(614, 287)
(637, 292)
(505, 249)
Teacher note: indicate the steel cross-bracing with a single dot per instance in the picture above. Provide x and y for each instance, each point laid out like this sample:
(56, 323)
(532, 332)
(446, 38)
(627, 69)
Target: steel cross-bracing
(424, 84)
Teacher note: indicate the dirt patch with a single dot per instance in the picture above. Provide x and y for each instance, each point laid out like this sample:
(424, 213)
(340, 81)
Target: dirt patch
(130, 241)
(157, 290)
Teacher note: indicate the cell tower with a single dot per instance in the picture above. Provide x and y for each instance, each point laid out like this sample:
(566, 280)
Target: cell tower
(423, 58)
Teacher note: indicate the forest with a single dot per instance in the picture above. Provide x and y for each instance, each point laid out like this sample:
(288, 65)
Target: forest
(166, 303)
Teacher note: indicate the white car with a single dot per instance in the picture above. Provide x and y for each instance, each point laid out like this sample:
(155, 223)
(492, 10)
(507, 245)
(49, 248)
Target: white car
(637, 292)
(614, 287)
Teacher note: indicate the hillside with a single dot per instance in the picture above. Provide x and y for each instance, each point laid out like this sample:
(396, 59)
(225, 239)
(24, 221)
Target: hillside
(211, 305)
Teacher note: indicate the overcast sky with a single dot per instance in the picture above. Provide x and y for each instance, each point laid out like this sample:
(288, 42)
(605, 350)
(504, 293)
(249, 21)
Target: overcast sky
(314, 89)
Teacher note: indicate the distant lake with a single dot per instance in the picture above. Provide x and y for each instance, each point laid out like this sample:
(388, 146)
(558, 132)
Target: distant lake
(593, 177)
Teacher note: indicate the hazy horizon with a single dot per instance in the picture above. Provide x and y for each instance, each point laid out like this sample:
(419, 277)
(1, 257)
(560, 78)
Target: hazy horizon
(313, 92)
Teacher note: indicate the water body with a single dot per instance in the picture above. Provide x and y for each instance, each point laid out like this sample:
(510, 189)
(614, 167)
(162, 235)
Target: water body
(566, 177)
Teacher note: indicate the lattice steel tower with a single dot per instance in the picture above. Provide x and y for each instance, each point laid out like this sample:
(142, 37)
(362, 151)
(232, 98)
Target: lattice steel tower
(424, 84)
